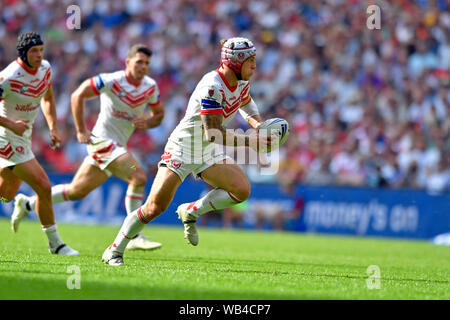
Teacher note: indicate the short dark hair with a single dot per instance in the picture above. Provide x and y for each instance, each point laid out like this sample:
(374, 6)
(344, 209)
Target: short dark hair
(139, 48)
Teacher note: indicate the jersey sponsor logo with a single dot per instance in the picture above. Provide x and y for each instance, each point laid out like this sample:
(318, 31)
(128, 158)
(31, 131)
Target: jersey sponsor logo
(35, 80)
(166, 156)
(122, 115)
(26, 107)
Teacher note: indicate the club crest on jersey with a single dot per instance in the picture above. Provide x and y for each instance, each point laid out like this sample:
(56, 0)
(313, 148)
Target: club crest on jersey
(19, 149)
(23, 88)
(175, 164)
(211, 92)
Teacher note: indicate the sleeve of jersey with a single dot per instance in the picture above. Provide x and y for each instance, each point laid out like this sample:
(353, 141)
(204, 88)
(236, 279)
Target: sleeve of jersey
(155, 97)
(211, 101)
(3, 87)
(98, 83)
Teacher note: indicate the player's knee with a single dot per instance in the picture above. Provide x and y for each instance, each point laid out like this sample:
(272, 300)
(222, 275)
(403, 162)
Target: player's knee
(153, 209)
(44, 187)
(139, 178)
(241, 190)
(74, 193)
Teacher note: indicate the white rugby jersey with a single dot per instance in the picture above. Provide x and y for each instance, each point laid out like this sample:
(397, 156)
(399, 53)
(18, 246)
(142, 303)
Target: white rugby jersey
(21, 91)
(120, 102)
(213, 95)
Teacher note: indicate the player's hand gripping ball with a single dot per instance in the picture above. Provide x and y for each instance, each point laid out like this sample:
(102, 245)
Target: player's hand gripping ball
(277, 127)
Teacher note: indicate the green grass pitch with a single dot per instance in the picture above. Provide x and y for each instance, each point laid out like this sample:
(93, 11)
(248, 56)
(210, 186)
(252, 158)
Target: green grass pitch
(226, 265)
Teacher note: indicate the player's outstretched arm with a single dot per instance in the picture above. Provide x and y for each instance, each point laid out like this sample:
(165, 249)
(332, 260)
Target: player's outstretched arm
(84, 92)
(48, 106)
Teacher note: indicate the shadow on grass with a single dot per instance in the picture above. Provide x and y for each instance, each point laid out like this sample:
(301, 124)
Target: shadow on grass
(12, 288)
(248, 262)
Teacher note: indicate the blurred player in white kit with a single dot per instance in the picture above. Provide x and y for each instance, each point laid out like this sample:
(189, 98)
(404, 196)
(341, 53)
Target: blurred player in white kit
(213, 104)
(124, 97)
(25, 85)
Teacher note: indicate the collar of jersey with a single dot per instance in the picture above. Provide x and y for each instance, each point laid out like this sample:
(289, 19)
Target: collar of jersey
(129, 81)
(26, 68)
(226, 82)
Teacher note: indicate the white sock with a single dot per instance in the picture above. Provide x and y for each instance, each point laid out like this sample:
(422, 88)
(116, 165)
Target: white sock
(214, 200)
(133, 200)
(53, 237)
(59, 194)
(131, 227)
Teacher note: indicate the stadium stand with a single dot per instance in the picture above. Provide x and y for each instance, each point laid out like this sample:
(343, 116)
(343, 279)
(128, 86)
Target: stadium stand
(366, 107)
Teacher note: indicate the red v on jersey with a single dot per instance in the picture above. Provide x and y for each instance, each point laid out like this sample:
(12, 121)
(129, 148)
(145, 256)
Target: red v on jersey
(129, 99)
(230, 108)
(31, 91)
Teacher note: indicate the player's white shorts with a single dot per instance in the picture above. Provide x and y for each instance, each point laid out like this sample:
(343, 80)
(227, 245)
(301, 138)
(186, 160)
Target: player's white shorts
(14, 151)
(176, 160)
(102, 152)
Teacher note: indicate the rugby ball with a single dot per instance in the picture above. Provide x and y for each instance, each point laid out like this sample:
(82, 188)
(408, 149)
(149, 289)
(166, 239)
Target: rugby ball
(278, 127)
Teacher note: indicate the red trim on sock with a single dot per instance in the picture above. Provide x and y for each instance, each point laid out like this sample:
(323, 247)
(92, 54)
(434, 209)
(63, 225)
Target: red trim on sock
(64, 193)
(234, 198)
(210, 203)
(134, 197)
(141, 217)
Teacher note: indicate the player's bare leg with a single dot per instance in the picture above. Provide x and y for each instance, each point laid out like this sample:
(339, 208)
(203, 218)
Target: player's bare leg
(9, 184)
(232, 187)
(128, 169)
(161, 194)
(33, 174)
(86, 179)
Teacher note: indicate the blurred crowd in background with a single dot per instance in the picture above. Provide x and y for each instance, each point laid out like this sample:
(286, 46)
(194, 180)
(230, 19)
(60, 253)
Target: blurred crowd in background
(366, 107)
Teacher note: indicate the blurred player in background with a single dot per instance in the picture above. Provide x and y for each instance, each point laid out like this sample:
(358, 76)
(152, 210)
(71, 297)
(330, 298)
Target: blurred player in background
(25, 85)
(213, 104)
(124, 96)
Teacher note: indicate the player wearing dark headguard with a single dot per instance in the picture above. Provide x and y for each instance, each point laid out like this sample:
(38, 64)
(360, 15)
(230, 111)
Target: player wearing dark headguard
(214, 102)
(25, 86)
